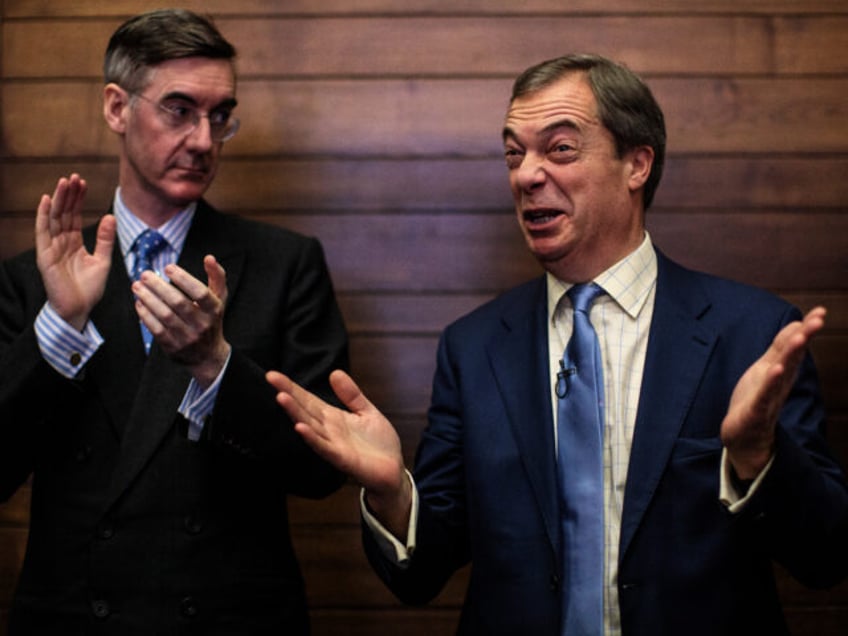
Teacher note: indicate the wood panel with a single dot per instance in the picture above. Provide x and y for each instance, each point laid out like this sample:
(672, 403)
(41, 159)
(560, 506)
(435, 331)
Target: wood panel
(442, 46)
(462, 252)
(504, 8)
(400, 46)
(375, 126)
(397, 185)
(440, 117)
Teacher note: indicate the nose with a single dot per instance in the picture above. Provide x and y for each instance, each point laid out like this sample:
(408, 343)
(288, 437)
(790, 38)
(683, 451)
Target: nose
(199, 137)
(531, 173)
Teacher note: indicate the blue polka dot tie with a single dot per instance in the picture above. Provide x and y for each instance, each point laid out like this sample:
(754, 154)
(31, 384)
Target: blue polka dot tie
(580, 428)
(148, 244)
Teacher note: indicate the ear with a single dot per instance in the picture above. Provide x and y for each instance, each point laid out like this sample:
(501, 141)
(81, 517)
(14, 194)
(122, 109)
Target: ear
(641, 161)
(116, 102)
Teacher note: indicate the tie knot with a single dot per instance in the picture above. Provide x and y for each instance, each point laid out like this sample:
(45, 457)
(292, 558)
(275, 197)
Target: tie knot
(148, 243)
(146, 246)
(583, 295)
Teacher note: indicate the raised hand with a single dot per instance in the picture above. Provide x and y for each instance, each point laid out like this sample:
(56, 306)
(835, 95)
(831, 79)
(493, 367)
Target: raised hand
(748, 428)
(186, 316)
(360, 442)
(73, 278)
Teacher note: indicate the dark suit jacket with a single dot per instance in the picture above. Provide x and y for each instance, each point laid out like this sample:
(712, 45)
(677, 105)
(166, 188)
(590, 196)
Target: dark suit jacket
(134, 529)
(485, 470)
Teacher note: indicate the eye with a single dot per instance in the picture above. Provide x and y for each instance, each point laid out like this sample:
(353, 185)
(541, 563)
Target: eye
(219, 118)
(513, 156)
(178, 113)
(562, 151)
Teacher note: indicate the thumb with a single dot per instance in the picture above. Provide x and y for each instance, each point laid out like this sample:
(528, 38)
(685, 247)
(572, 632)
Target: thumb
(217, 277)
(349, 392)
(106, 230)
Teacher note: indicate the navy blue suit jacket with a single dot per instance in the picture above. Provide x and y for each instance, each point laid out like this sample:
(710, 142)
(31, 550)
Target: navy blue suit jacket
(485, 470)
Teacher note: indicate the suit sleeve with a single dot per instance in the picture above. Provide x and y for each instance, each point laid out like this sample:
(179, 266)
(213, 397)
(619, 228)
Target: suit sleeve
(441, 545)
(31, 392)
(801, 509)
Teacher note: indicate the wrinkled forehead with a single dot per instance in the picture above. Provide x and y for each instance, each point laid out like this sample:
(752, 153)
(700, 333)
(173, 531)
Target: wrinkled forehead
(568, 101)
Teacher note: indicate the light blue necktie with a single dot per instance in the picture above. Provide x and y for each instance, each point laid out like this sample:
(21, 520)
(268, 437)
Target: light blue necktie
(580, 422)
(148, 244)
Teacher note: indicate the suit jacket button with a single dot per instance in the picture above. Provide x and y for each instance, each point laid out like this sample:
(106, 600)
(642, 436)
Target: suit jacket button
(192, 524)
(188, 607)
(100, 608)
(105, 531)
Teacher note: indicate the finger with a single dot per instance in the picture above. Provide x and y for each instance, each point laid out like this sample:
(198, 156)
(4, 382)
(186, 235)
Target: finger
(153, 324)
(771, 393)
(154, 303)
(193, 289)
(791, 342)
(277, 380)
(72, 215)
(349, 392)
(217, 277)
(42, 223)
(814, 321)
(57, 204)
(67, 204)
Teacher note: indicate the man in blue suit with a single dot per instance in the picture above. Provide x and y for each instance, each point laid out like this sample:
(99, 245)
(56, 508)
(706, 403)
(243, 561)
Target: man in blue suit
(713, 457)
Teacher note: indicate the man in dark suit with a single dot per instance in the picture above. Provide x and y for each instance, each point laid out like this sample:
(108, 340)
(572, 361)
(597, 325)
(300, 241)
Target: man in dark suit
(160, 477)
(703, 450)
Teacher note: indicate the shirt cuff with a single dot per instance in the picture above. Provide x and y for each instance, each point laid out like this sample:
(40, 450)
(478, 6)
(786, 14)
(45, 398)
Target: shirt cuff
(197, 404)
(392, 549)
(734, 500)
(62, 346)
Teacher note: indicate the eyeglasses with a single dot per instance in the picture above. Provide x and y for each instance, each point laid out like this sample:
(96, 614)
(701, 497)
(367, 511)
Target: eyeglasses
(183, 118)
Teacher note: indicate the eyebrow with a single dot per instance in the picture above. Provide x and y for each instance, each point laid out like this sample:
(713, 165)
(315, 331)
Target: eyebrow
(509, 133)
(229, 102)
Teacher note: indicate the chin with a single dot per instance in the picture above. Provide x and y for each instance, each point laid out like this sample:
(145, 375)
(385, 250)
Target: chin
(186, 193)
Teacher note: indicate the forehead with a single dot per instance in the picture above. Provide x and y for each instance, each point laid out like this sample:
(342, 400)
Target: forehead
(568, 101)
(195, 76)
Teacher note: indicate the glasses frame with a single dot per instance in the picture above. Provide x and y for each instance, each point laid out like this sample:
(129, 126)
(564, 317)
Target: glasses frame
(233, 123)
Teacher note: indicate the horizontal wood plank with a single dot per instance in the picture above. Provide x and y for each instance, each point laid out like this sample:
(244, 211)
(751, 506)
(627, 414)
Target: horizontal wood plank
(428, 621)
(427, 45)
(95, 8)
(400, 184)
(799, 43)
(485, 253)
(446, 118)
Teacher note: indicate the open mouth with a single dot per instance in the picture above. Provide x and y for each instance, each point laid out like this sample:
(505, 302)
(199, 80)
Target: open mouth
(541, 216)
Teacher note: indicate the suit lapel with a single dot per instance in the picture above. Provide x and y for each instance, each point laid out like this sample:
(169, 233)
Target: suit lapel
(520, 365)
(117, 322)
(678, 351)
(152, 404)
(209, 235)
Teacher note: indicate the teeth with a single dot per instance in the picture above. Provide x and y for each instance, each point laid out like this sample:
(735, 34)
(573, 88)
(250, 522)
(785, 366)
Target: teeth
(540, 217)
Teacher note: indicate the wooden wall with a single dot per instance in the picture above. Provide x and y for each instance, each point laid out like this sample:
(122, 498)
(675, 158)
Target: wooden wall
(374, 125)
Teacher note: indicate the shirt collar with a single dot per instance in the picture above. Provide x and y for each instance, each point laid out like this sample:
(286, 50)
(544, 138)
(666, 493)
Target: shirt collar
(130, 226)
(628, 282)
